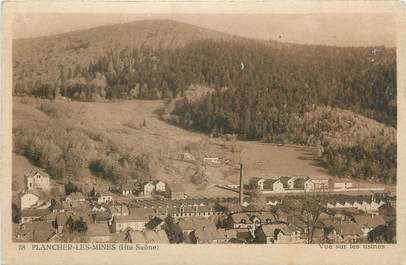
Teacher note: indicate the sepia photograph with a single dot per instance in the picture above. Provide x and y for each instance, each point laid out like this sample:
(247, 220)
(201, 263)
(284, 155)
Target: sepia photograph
(197, 130)
(136, 130)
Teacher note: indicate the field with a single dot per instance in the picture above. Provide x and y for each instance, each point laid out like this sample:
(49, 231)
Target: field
(136, 124)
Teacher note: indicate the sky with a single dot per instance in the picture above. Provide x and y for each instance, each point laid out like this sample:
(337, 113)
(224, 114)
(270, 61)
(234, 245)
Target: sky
(325, 29)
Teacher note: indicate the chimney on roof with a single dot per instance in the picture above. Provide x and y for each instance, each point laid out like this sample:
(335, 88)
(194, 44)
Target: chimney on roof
(241, 197)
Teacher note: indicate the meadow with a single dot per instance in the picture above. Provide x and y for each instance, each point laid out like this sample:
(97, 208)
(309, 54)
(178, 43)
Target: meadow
(114, 127)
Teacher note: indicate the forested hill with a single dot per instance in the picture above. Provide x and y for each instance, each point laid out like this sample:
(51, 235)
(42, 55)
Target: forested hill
(162, 58)
(44, 58)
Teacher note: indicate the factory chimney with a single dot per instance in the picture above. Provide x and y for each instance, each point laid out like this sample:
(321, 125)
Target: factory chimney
(241, 197)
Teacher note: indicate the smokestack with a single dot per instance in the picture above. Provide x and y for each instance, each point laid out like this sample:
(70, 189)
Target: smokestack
(241, 197)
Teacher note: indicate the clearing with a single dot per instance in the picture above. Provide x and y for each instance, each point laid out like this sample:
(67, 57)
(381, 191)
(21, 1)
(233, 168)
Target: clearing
(121, 121)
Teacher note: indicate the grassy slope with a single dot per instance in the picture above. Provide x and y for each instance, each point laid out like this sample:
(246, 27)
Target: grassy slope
(163, 139)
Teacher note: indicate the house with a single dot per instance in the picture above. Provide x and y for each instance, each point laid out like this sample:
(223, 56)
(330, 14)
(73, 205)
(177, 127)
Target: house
(274, 185)
(231, 235)
(342, 185)
(257, 183)
(193, 211)
(29, 215)
(27, 200)
(368, 222)
(36, 179)
(104, 197)
(146, 237)
(299, 182)
(136, 220)
(160, 186)
(211, 160)
(119, 210)
(34, 232)
(127, 188)
(200, 231)
(321, 182)
(348, 232)
(366, 205)
(339, 204)
(357, 204)
(187, 225)
(375, 205)
(348, 204)
(240, 220)
(75, 197)
(277, 233)
(98, 233)
(288, 182)
(308, 185)
(265, 217)
(207, 235)
(305, 183)
(148, 188)
(177, 191)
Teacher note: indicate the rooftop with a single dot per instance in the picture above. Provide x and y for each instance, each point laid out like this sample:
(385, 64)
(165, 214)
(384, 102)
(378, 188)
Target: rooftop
(370, 221)
(33, 172)
(137, 215)
(97, 230)
(34, 212)
(348, 229)
(148, 236)
(194, 223)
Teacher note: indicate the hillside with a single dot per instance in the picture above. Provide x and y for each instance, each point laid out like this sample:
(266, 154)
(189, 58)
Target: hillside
(156, 59)
(85, 132)
(349, 144)
(42, 58)
(341, 100)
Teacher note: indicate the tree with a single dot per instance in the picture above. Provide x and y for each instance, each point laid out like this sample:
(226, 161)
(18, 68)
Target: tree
(70, 188)
(80, 226)
(172, 230)
(311, 210)
(247, 123)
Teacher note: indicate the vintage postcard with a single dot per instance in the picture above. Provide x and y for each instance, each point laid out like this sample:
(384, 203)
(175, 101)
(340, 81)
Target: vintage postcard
(204, 133)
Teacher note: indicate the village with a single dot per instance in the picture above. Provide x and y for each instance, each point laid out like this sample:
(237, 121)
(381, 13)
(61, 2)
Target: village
(268, 210)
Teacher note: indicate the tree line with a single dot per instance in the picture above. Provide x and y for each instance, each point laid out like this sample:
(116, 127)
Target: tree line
(351, 78)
